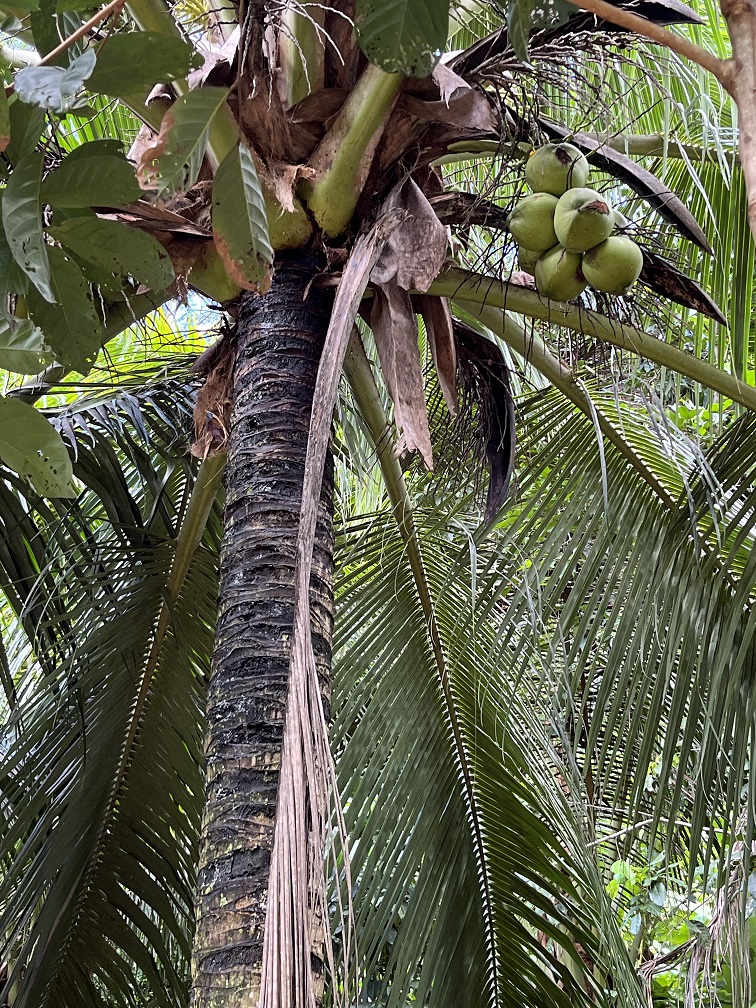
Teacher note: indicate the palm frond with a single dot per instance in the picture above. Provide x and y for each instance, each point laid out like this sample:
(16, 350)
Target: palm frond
(99, 866)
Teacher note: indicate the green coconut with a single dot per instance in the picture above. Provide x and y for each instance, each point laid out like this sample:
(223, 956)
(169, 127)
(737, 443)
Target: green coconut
(556, 168)
(582, 219)
(620, 221)
(531, 222)
(558, 275)
(527, 259)
(614, 265)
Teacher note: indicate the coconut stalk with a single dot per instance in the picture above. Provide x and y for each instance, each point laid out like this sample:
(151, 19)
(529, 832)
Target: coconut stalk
(475, 288)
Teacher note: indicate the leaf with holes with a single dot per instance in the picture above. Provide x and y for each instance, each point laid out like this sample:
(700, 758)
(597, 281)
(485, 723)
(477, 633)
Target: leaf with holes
(22, 221)
(403, 36)
(52, 87)
(22, 346)
(172, 163)
(100, 180)
(136, 61)
(71, 327)
(31, 446)
(26, 125)
(240, 224)
(118, 249)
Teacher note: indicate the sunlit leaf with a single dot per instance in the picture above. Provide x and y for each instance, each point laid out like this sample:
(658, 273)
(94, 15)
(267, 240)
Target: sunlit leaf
(53, 88)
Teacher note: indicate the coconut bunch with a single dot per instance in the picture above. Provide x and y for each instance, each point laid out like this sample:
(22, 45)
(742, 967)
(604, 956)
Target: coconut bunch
(566, 233)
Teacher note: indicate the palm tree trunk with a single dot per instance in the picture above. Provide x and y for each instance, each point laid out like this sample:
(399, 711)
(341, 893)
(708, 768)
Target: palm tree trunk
(278, 345)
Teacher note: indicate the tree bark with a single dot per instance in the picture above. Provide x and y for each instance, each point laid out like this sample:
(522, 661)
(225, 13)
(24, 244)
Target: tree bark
(278, 345)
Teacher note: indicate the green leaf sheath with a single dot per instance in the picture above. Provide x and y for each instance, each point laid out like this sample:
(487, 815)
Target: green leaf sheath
(31, 445)
(403, 36)
(22, 221)
(240, 223)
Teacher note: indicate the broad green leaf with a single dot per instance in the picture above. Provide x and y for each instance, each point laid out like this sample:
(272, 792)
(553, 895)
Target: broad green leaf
(525, 16)
(31, 446)
(22, 346)
(172, 164)
(21, 9)
(240, 224)
(52, 87)
(403, 36)
(96, 148)
(117, 248)
(71, 327)
(5, 124)
(135, 61)
(92, 181)
(22, 221)
(519, 18)
(13, 280)
(49, 27)
(27, 123)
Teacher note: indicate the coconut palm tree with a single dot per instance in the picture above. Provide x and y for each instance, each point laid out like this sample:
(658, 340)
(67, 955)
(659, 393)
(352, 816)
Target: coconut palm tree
(491, 726)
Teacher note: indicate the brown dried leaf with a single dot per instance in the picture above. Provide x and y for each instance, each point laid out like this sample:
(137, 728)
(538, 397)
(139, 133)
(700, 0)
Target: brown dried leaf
(486, 377)
(459, 104)
(237, 273)
(282, 178)
(151, 217)
(400, 133)
(394, 326)
(264, 118)
(309, 120)
(215, 56)
(440, 329)
(667, 204)
(465, 208)
(212, 410)
(415, 252)
(665, 279)
(147, 166)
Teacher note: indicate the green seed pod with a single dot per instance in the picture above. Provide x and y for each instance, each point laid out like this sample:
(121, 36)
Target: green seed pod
(558, 275)
(527, 259)
(556, 168)
(582, 219)
(531, 222)
(614, 265)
